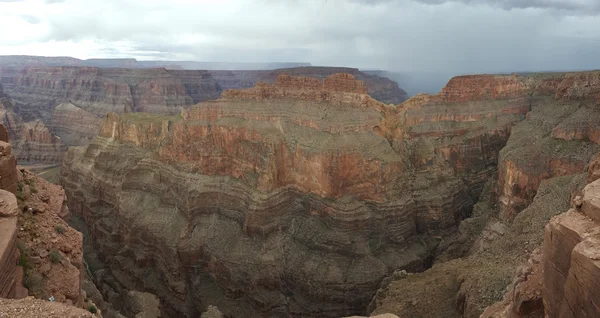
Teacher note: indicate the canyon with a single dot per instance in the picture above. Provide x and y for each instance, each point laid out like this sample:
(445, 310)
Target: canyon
(299, 197)
(309, 192)
(51, 105)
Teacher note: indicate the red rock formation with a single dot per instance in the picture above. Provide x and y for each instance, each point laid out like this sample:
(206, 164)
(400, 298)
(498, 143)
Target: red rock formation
(482, 87)
(8, 256)
(49, 252)
(315, 165)
(379, 88)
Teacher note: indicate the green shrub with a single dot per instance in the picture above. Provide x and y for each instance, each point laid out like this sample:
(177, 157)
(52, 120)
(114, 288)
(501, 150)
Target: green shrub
(33, 282)
(55, 256)
(60, 229)
(23, 260)
(92, 309)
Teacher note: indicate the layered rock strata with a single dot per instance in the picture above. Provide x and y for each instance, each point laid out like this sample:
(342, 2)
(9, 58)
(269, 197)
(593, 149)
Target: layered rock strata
(380, 88)
(70, 100)
(571, 267)
(559, 278)
(540, 170)
(556, 139)
(293, 198)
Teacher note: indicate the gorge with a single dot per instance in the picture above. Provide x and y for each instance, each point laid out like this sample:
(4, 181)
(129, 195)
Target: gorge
(320, 192)
(298, 197)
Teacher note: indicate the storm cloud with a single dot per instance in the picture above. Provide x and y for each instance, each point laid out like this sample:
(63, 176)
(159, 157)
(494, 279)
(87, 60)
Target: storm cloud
(452, 36)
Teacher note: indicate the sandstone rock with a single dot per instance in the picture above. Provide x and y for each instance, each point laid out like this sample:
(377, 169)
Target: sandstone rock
(33, 308)
(594, 169)
(591, 201)
(142, 305)
(212, 312)
(8, 168)
(8, 204)
(8, 255)
(571, 264)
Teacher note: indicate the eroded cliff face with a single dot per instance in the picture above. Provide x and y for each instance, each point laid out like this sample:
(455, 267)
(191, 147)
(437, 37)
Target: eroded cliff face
(559, 278)
(540, 170)
(40, 255)
(31, 141)
(557, 138)
(292, 198)
(48, 109)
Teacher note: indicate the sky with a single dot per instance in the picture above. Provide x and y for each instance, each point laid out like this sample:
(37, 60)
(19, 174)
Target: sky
(459, 36)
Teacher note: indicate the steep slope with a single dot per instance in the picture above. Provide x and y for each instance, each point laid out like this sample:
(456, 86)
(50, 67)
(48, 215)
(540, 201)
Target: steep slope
(540, 170)
(40, 255)
(31, 141)
(292, 198)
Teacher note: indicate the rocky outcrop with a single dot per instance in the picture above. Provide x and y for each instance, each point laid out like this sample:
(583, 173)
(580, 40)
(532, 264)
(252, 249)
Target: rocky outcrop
(558, 279)
(40, 254)
(35, 308)
(35, 143)
(571, 266)
(8, 256)
(291, 198)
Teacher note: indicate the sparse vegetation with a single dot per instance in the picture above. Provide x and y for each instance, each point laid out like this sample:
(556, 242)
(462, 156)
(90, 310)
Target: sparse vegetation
(20, 195)
(23, 260)
(33, 282)
(60, 229)
(55, 256)
(92, 309)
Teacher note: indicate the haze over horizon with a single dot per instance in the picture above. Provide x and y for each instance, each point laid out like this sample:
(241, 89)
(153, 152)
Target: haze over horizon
(460, 36)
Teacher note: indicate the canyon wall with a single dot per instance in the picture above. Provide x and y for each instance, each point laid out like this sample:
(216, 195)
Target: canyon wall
(49, 108)
(380, 88)
(292, 198)
(540, 170)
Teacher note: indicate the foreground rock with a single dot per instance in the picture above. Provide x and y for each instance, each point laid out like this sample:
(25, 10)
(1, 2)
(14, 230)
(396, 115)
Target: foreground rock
(288, 199)
(559, 278)
(40, 255)
(35, 308)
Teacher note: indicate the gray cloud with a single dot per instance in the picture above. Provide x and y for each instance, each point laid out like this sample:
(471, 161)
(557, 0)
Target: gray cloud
(460, 36)
(581, 6)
